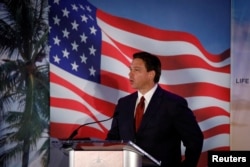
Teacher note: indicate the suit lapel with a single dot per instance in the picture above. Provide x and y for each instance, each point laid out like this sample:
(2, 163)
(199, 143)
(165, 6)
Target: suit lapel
(131, 121)
(152, 108)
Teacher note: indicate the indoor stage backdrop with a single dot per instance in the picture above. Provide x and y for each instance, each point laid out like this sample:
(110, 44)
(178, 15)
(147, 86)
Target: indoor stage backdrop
(91, 47)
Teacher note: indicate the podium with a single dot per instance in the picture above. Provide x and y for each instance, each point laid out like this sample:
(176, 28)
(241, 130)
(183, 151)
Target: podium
(108, 154)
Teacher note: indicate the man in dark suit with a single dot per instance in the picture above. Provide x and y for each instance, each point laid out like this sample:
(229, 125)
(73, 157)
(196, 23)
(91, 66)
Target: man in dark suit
(167, 121)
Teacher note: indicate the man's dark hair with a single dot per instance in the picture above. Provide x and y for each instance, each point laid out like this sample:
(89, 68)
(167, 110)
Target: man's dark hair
(152, 62)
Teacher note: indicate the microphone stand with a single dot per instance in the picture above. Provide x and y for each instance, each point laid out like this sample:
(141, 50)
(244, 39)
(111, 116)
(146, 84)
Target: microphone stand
(75, 132)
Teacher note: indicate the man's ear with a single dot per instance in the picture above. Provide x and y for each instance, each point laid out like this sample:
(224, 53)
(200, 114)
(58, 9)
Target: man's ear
(152, 74)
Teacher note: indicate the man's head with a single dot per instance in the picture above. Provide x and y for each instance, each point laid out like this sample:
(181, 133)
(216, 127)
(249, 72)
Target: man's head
(152, 63)
(145, 71)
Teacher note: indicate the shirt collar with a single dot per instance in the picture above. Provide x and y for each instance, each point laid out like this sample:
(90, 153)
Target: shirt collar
(149, 94)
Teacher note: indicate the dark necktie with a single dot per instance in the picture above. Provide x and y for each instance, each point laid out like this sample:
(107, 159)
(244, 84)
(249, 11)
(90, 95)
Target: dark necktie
(139, 113)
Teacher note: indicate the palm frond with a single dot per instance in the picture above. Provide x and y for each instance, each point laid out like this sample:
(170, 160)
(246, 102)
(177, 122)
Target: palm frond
(24, 80)
(12, 153)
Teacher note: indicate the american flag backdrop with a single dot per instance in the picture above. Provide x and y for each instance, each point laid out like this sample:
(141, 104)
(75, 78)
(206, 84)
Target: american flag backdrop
(90, 52)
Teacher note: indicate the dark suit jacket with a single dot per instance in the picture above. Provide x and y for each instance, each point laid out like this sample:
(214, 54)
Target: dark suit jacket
(167, 121)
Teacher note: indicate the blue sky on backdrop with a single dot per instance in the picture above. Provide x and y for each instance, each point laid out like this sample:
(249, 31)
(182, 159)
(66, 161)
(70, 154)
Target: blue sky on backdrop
(208, 20)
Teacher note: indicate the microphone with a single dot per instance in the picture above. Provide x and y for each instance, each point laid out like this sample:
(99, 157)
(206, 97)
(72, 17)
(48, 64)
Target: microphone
(75, 132)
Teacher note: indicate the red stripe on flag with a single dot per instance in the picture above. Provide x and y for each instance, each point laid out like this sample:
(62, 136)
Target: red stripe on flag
(116, 81)
(209, 112)
(200, 89)
(157, 34)
(170, 62)
(189, 61)
(63, 131)
(72, 105)
(103, 106)
(221, 129)
(109, 50)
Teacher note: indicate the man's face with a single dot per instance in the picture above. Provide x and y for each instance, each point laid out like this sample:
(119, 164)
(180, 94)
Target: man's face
(139, 77)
